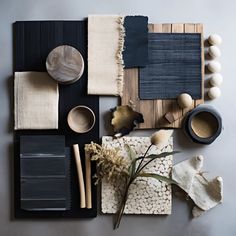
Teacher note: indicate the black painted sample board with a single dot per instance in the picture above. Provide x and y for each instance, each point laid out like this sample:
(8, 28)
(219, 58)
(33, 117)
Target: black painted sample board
(44, 173)
(33, 40)
(174, 66)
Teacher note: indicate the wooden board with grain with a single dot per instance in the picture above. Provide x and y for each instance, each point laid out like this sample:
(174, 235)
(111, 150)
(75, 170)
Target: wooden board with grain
(154, 110)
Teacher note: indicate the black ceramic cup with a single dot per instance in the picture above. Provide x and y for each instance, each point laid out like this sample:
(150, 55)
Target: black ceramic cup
(203, 124)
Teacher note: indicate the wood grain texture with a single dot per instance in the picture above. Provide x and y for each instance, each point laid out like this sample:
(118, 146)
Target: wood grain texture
(199, 29)
(80, 175)
(65, 64)
(154, 110)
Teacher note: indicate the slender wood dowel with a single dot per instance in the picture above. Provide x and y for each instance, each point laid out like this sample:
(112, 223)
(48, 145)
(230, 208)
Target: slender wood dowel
(88, 180)
(80, 175)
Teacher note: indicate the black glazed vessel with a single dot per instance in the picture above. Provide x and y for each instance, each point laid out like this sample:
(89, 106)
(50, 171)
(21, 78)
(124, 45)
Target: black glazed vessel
(188, 124)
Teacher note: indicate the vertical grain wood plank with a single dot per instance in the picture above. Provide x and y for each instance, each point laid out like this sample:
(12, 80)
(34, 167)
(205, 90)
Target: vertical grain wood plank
(176, 110)
(158, 107)
(146, 107)
(188, 28)
(199, 29)
(158, 113)
(130, 88)
(166, 104)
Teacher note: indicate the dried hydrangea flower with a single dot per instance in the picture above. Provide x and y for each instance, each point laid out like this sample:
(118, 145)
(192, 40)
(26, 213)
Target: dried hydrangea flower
(111, 165)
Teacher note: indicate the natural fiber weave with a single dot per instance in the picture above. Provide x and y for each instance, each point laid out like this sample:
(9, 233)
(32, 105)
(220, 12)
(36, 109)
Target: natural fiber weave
(36, 101)
(105, 47)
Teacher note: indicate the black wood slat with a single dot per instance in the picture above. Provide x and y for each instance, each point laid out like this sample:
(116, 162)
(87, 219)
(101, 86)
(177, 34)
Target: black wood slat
(33, 42)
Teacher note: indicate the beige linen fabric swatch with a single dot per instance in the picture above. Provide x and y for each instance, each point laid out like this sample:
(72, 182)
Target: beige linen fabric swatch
(36, 98)
(105, 61)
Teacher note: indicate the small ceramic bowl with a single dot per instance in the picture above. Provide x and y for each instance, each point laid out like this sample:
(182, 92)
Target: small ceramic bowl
(81, 119)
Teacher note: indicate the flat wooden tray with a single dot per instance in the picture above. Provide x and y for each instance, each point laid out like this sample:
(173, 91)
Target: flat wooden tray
(154, 110)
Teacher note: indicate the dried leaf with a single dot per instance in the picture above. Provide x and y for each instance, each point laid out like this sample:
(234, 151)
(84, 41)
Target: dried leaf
(158, 177)
(155, 156)
(125, 119)
(132, 157)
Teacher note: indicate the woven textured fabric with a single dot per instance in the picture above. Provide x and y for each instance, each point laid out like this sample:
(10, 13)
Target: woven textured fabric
(135, 52)
(174, 66)
(105, 46)
(36, 101)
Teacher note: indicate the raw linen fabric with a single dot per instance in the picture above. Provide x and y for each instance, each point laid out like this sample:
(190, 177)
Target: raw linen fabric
(135, 52)
(146, 195)
(174, 66)
(36, 101)
(105, 46)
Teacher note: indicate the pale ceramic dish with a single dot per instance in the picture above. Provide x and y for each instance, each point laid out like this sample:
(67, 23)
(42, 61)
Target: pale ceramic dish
(81, 119)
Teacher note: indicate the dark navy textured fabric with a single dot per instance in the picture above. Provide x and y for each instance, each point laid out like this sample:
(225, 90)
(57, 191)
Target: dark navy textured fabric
(135, 52)
(174, 66)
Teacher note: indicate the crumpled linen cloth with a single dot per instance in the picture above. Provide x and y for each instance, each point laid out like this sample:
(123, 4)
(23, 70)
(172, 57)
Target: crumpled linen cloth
(206, 193)
(36, 99)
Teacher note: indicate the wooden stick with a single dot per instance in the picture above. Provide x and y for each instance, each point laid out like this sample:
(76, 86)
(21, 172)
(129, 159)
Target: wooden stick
(80, 175)
(88, 180)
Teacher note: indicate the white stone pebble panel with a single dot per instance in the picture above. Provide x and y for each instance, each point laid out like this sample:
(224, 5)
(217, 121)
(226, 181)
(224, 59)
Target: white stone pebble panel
(146, 195)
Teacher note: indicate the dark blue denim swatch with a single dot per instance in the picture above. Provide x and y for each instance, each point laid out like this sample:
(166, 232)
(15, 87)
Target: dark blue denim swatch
(174, 66)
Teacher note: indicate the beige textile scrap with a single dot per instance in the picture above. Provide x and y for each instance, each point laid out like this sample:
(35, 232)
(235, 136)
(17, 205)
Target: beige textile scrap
(146, 195)
(36, 98)
(206, 193)
(105, 47)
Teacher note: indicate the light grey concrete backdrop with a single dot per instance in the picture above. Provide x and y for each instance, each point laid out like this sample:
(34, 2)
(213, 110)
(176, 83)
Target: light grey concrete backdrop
(220, 158)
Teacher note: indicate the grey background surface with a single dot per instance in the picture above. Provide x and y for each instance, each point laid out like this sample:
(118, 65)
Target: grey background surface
(218, 16)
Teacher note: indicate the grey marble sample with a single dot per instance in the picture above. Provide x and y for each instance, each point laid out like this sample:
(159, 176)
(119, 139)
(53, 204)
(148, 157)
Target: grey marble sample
(65, 64)
(44, 173)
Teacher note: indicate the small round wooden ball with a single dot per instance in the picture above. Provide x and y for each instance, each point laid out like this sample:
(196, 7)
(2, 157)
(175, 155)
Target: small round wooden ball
(214, 93)
(185, 100)
(216, 80)
(215, 39)
(214, 52)
(214, 66)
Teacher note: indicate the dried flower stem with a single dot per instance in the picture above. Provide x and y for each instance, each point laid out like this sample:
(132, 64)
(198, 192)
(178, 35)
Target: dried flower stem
(140, 163)
(122, 206)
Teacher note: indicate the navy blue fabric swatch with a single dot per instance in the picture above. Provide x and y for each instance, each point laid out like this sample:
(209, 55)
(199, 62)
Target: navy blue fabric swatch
(174, 66)
(135, 52)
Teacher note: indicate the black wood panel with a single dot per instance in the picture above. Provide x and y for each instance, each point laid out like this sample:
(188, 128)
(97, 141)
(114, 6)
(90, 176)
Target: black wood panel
(33, 42)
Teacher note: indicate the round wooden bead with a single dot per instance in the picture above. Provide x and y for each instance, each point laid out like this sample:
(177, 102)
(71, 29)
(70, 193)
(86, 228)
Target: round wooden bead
(214, 93)
(214, 39)
(214, 52)
(214, 66)
(65, 64)
(185, 100)
(216, 80)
